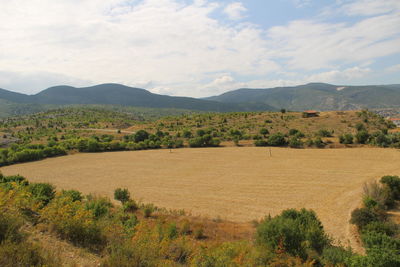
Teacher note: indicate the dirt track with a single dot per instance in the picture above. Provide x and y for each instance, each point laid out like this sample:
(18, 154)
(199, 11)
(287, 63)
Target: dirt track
(238, 184)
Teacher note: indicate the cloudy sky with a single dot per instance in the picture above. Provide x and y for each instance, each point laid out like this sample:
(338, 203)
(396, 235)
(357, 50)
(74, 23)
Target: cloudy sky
(197, 47)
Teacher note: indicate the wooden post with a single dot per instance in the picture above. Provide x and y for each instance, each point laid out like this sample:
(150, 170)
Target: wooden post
(270, 152)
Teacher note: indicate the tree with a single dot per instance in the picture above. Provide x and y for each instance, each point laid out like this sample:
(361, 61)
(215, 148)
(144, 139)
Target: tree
(294, 231)
(140, 136)
(346, 138)
(277, 139)
(122, 195)
(264, 131)
(362, 136)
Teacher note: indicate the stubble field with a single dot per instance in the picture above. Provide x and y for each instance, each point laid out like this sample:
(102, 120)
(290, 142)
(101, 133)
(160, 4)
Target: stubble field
(234, 183)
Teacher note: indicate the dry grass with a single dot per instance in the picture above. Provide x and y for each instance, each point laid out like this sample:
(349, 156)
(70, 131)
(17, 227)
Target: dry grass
(234, 183)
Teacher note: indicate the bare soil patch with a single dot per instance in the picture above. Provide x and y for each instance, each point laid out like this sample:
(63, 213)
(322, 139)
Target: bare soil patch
(233, 183)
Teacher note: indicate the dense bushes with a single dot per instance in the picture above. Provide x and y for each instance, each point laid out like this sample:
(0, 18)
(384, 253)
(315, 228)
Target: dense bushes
(378, 234)
(204, 141)
(295, 231)
(24, 153)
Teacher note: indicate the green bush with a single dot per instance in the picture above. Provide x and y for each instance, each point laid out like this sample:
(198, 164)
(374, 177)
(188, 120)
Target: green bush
(122, 195)
(386, 228)
(74, 222)
(362, 137)
(294, 142)
(264, 131)
(42, 191)
(73, 194)
(277, 139)
(319, 143)
(295, 231)
(260, 142)
(346, 139)
(393, 184)
(204, 141)
(324, 133)
(130, 206)
(100, 206)
(172, 231)
(364, 216)
(140, 136)
(336, 256)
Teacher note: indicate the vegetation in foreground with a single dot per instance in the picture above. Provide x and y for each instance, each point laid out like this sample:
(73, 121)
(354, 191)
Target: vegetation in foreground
(379, 234)
(138, 234)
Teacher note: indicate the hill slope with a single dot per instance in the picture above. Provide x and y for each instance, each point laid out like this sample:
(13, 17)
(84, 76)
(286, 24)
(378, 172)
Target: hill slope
(116, 94)
(318, 96)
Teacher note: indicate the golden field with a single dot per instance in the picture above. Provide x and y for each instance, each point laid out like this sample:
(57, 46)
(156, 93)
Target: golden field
(234, 183)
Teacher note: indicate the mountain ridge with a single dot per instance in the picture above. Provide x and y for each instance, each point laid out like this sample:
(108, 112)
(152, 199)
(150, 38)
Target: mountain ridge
(319, 96)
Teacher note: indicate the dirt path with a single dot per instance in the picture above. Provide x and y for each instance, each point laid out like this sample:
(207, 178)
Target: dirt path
(234, 183)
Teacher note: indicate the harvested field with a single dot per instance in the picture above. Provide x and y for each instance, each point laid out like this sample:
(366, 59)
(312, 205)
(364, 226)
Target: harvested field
(234, 183)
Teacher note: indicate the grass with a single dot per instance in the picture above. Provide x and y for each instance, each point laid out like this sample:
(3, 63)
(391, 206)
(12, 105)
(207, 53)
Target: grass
(235, 183)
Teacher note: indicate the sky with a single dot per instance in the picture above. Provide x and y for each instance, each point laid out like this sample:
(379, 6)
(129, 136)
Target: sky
(197, 47)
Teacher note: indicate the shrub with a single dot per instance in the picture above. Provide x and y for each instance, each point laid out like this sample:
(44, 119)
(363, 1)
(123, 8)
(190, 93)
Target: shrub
(360, 127)
(73, 194)
(336, 256)
(277, 139)
(260, 142)
(294, 142)
(294, 231)
(140, 136)
(324, 133)
(204, 141)
(74, 222)
(393, 184)
(122, 195)
(386, 228)
(172, 231)
(130, 206)
(42, 191)
(319, 143)
(380, 240)
(9, 228)
(374, 192)
(99, 206)
(363, 216)
(264, 131)
(346, 138)
(362, 137)
(147, 211)
(21, 254)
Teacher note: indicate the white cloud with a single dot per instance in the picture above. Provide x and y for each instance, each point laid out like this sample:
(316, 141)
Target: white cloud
(312, 45)
(235, 10)
(370, 7)
(118, 41)
(33, 82)
(339, 76)
(181, 48)
(394, 68)
(301, 3)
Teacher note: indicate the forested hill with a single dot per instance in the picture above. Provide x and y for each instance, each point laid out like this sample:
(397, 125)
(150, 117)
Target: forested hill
(318, 96)
(116, 94)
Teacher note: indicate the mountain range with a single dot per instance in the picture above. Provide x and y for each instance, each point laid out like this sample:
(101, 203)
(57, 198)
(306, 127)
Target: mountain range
(317, 96)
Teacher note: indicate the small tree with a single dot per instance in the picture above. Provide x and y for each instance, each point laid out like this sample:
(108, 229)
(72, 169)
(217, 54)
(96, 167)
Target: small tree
(362, 137)
(264, 131)
(122, 195)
